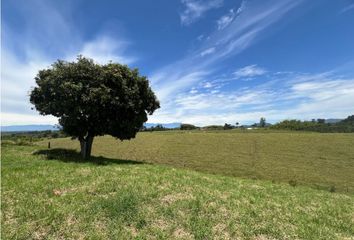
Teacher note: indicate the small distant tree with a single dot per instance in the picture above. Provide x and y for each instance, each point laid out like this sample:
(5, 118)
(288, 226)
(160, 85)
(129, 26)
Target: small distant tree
(262, 122)
(158, 127)
(237, 124)
(321, 121)
(92, 99)
(185, 126)
(227, 126)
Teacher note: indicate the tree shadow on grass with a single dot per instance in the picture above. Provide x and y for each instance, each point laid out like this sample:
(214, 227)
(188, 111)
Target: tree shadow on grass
(66, 155)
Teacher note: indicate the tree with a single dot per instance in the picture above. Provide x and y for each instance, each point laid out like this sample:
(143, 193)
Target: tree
(348, 120)
(158, 127)
(227, 126)
(93, 100)
(262, 122)
(321, 120)
(186, 126)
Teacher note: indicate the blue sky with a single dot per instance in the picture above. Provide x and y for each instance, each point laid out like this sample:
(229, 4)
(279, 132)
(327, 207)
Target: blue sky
(209, 62)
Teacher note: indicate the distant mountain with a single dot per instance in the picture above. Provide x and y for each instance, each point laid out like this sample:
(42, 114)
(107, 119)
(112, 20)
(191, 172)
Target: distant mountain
(28, 128)
(32, 128)
(165, 125)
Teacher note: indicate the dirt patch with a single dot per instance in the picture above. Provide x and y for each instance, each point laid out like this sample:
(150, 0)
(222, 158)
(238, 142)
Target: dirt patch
(223, 211)
(164, 186)
(171, 198)
(133, 231)
(220, 231)
(60, 192)
(263, 237)
(40, 233)
(161, 224)
(180, 233)
(71, 220)
(84, 171)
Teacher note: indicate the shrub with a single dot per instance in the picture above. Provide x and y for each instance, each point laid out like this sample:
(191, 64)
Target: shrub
(185, 126)
(293, 183)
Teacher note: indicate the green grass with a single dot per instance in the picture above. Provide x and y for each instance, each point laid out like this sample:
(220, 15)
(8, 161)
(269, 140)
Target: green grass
(320, 160)
(55, 195)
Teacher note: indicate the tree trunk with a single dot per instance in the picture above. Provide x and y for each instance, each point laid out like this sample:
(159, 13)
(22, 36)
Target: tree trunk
(86, 146)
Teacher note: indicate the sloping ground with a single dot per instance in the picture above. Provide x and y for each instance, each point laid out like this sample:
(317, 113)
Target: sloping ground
(53, 195)
(322, 161)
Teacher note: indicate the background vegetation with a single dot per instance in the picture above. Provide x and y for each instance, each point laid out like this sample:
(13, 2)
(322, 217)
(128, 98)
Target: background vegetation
(319, 125)
(28, 138)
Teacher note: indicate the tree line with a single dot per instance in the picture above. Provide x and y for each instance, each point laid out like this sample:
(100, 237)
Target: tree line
(319, 125)
(315, 125)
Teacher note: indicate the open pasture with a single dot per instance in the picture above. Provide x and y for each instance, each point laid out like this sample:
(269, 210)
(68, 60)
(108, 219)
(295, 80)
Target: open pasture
(320, 160)
(56, 195)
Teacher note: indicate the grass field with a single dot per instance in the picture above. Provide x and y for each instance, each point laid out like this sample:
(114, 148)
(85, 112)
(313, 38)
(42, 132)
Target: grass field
(322, 161)
(54, 195)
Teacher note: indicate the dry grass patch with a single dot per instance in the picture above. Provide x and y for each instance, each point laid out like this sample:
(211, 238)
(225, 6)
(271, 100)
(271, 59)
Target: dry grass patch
(220, 231)
(181, 233)
(171, 198)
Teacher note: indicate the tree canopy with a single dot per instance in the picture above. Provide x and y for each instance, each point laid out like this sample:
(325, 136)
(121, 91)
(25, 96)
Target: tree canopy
(92, 99)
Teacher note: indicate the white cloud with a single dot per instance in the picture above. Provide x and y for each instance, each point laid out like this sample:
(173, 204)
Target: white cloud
(242, 7)
(17, 78)
(193, 91)
(104, 49)
(165, 90)
(225, 20)
(208, 85)
(295, 95)
(347, 8)
(207, 51)
(26, 119)
(194, 9)
(200, 37)
(23, 56)
(239, 35)
(249, 72)
(217, 101)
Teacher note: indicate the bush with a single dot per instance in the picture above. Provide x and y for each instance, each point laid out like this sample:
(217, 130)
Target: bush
(185, 126)
(332, 189)
(228, 126)
(213, 127)
(293, 183)
(345, 126)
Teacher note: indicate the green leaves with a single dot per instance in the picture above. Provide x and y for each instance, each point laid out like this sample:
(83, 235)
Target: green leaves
(94, 99)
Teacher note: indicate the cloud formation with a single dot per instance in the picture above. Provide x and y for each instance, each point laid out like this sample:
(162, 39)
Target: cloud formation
(286, 96)
(219, 45)
(225, 20)
(249, 71)
(195, 9)
(197, 88)
(26, 57)
(347, 8)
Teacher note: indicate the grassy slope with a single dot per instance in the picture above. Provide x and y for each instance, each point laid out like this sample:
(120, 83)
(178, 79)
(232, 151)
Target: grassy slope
(320, 160)
(54, 196)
